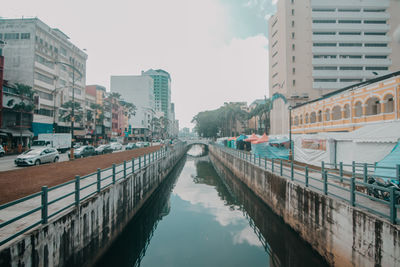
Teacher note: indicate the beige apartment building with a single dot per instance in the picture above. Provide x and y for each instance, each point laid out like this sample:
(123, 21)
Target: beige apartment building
(319, 46)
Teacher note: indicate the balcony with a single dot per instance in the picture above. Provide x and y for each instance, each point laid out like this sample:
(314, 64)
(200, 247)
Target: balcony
(351, 50)
(350, 38)
(351, 15)
(350, 61)
(350, 27)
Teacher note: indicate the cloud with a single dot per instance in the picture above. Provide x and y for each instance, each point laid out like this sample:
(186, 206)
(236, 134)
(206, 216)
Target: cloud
(248, 236)
(274, 2)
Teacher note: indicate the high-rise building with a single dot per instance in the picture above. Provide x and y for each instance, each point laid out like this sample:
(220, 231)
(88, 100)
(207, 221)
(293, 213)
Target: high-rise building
(138, 90)
(318, 46)
(33, 56)
(162, 90)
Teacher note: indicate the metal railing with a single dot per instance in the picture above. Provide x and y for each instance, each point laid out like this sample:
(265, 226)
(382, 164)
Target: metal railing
(72, 194)
(332, 180)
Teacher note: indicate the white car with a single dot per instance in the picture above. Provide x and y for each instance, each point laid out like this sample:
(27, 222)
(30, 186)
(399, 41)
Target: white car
(116, 146)
(37, 156)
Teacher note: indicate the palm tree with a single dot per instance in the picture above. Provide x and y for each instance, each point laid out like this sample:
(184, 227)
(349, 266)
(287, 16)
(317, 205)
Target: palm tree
(66, 111)
(23, 104)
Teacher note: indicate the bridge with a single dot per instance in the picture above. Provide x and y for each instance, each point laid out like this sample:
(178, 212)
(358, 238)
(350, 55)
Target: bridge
(200, 141)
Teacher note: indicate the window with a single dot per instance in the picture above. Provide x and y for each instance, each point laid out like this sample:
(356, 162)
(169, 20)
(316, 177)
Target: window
(43, 61)
(350, 56)
(44, 112)
(319, 118)
(25, 36)
(45, 95)
(11, 36)
(336, 113)
(292, 12)
(375, 45)
(374, 21)
(349, 33)
(62, 82)
(350, 21)
(323, 9)
(376, 68)
(63, 51)
(376, 56)
(293, 58)
(77, 91)
(274, 75)
(273, 24)
(358, 109)
(324, 33)
(325, 68)
(375, 33)
(324, 56)
(324, 44)
(389, 104)
(296, 120)
(274, 44)
(275, 54)
(373, 106)
(348, 10)
(293, 70)
(327, 115)
(275, 85)
(374, 10)
(324, 80)
(313, 117)
(351, 80)
(294, 82)
(274, 33)
(324, 21)
(346, 111)
(306, 119)
(44, 78)
(274, 65)
(350, 44)
(292, 35)
(292, 23)
(350, 68)
(293, 47)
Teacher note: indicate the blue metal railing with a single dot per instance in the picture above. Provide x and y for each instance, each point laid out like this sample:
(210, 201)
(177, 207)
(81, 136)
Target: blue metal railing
(332, 180)
(101, 181)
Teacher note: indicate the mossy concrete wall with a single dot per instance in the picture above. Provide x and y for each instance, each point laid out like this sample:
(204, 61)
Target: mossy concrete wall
(81, 234)
(342, 234)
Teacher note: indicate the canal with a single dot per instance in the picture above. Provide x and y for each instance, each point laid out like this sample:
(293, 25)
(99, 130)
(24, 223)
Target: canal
(196, 218)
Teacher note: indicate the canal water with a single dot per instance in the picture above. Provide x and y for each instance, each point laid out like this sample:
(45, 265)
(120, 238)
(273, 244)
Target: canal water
(196, 218)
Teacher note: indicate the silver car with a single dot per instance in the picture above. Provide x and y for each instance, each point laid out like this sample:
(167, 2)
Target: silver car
(37, 156)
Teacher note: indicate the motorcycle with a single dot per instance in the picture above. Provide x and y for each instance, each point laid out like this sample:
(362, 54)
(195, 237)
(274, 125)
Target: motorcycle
(386, 183)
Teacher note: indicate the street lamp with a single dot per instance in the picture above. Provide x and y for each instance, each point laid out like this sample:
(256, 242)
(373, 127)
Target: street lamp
(74, 69)
(290, 134)
(2, 44)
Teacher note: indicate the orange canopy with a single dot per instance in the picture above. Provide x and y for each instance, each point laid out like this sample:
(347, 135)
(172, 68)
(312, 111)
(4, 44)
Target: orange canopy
(232, 138)
(263, 139)
(252, 138)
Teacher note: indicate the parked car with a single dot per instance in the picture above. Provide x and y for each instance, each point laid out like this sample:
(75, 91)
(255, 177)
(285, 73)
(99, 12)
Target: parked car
(116, 146)
(2, 151)
(83, 151)
(131, 146)
(103, 149)
(146, 144)
(37, 156)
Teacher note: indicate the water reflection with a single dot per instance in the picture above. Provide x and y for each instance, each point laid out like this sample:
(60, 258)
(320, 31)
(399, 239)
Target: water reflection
(207, 221)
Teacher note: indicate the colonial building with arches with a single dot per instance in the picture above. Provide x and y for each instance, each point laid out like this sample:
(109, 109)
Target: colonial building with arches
(350, 108)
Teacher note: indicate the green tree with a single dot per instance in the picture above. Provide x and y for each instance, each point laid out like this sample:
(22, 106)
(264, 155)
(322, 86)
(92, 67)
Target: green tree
(66, 111)
(23, 103)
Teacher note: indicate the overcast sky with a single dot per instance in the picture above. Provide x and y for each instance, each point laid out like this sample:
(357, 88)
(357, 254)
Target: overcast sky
(215, 50)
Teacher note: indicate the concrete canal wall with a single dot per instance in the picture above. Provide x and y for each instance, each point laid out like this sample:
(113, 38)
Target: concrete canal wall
(342, 234)
(81, 234)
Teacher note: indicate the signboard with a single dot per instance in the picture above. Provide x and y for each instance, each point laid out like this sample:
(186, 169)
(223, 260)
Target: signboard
(315, 144)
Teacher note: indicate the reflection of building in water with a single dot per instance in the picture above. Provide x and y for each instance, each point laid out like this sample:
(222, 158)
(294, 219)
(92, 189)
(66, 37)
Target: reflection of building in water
(165, 211)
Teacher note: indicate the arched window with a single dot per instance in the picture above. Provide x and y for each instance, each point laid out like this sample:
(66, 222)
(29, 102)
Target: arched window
(336, 113)
(327, 115)
(373, 106)
(346, 111)
(296, 120)
(389, 103)
(358, 112)
(306, 119)
(313, 117)
(301, 119)
(320, 116)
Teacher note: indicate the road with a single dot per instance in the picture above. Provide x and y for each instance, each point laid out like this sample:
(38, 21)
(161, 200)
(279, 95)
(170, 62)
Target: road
(7, 162)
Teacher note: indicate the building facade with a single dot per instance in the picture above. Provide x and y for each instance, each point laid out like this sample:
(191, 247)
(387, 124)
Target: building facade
(348, 109)
(319, 46)
(138, 90)
(41, 57)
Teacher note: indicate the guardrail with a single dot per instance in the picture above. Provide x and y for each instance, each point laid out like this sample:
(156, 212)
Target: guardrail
(352, 187)
(94, 183)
